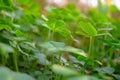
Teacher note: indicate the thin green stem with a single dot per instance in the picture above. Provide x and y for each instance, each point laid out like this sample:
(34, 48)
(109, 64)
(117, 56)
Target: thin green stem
(52, 35)
(4, 59)
(15, 61)
(111, 56)
(90, 48)
(48, 36)
(89, 55)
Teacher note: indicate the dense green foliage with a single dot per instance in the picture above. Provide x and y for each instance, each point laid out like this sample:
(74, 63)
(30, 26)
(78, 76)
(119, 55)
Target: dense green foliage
(66, 44)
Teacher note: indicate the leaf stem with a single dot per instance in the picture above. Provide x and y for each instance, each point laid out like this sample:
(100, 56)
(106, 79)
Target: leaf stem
(15, 61)
(90, 48)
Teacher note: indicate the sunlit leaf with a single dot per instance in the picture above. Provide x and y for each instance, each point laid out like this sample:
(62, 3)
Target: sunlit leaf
(75, 50)
(20, 34)
(88, 29)
(63, 70)
(4, 26)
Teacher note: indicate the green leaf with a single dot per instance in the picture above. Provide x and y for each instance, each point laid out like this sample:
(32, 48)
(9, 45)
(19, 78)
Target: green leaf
(106, 70)
(53, 46)
(7, 74)
(59, 46)
(54, 24)
(116, 76)
(42, 59)
(88, 29)
(26, 47)
(20, 33)
(8, 2)
(63, 70)
(60, 23)
(6, 48)
(44, 17)
(4, 26)
(65, 33)
(83, 78)
(74, 50)
(41, 22)
(6, 8)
